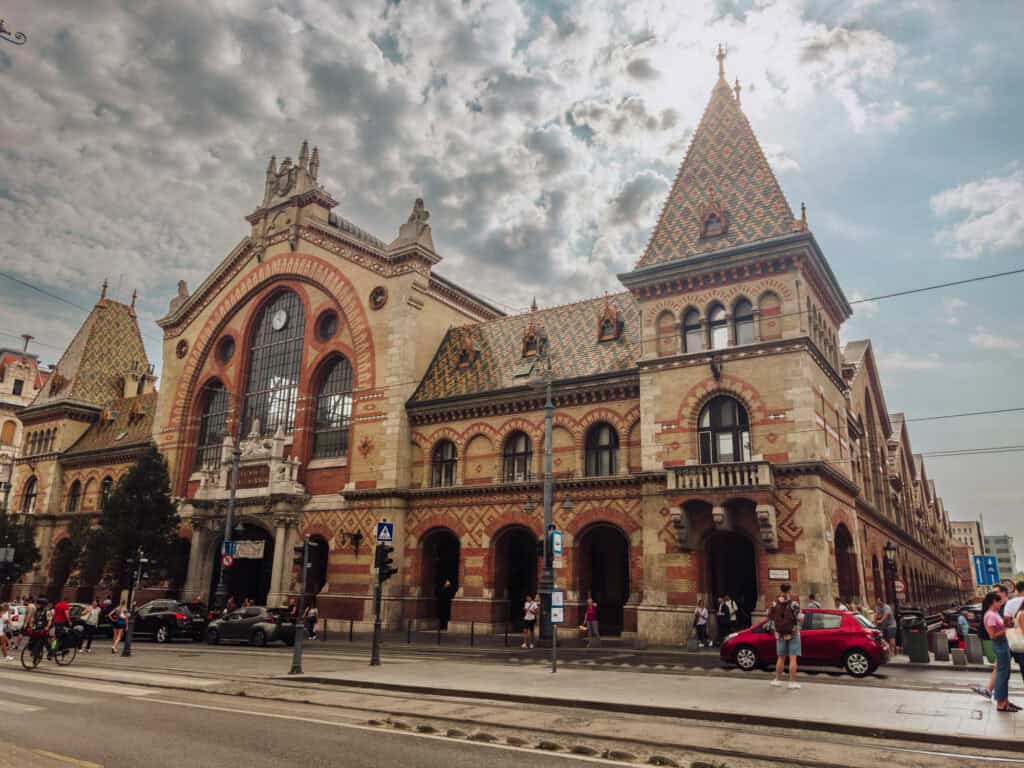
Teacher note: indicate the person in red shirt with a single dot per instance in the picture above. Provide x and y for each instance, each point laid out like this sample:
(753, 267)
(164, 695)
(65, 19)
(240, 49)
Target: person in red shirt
(61, 622)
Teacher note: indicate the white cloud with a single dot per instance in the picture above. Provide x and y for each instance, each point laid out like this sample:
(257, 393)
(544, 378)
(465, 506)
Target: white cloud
(866, 309)
(994, 215)
(983, 339)
(951, 308)
(930, 86)
(905, 361)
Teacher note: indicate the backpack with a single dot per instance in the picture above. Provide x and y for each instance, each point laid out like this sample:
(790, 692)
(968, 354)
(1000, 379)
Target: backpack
(783, 616)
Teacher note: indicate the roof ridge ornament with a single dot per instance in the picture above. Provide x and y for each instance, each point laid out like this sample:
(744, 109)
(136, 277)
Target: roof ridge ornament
(722, 53)
(737, 88)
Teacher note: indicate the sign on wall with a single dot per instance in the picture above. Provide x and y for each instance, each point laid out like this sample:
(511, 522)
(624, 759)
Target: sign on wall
(778, 574)
(986, 570)
(247, 549)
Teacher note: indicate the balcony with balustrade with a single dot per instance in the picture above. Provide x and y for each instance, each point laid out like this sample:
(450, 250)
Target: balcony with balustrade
(739, 475)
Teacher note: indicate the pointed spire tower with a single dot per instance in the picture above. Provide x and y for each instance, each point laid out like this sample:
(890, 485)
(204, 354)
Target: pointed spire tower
(725, 194)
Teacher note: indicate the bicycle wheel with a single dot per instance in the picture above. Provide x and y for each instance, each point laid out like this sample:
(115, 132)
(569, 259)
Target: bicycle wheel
(66, 656)
(31, 655)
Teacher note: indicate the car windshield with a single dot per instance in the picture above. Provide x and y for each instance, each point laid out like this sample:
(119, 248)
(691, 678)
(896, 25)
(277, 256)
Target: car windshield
(864, 622)
(183, 609)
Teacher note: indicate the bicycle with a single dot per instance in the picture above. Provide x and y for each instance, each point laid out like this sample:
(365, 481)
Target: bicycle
(32, 654)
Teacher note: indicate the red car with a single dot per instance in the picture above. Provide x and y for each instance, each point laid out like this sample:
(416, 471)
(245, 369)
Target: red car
(827, 639)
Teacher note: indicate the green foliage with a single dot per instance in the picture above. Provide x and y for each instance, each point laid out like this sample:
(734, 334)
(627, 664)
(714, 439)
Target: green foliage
(18, 531)
(139, 515)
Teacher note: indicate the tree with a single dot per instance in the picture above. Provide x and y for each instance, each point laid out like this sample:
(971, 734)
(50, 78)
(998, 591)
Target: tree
(139, 515)
(19, 531)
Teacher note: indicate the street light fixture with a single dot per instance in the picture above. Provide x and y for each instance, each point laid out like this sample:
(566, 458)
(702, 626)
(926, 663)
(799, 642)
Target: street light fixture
(890, 566)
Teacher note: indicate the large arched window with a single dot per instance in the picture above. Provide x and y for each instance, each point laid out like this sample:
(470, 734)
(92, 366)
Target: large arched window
(518, 453)
(7, 433)
(693, 337)
(28, 496)
(718, 327)
(602, 450)
(74, 497)
(333, 410)
(743, 321)
(275, 359)
(443, 462)
(213, 426)
(723, 431)
(105, 488)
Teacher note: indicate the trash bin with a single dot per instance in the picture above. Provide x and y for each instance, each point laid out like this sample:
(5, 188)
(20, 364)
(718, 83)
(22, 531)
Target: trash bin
(915, 639)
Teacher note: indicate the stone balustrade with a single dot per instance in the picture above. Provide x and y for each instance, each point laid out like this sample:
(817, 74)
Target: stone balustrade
(712, 477)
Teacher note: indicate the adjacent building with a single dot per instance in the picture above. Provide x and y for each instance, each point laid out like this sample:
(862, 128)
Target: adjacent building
(711, 435)
(1002, 547)
(969, 535)
(20, 381)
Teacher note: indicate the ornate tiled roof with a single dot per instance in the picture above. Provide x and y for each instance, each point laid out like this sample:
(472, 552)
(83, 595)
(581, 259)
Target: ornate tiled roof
(724, 172)
(496, 349)
(107, 346)
(128, 422)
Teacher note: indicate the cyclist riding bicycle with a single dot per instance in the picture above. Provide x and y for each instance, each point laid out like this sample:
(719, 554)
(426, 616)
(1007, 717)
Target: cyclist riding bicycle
(61, 623)
(39, 630)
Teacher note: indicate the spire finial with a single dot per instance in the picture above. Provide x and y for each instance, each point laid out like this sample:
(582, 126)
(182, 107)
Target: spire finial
(803, 216)
(135, 295)
(103, 291)
(533, 307)
(721, 60)
(314, 163)
(304, 154)
(737, 88)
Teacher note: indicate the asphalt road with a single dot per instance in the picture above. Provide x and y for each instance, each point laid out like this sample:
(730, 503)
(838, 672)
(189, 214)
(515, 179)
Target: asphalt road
(84, 723)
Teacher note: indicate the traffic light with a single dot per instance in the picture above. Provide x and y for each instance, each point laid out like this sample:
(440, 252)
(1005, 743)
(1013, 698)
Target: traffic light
(382, 560)
(300, 557)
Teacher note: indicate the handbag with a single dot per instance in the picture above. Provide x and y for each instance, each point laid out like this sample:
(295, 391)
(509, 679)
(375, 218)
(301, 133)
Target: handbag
(1015, 639)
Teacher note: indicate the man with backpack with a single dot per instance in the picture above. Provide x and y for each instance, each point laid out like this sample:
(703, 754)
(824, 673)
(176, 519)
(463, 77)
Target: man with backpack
(784, 616)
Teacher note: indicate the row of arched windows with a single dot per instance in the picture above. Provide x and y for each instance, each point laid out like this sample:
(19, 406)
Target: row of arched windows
(40, 442)
(719, 328)
(272, 386)
(30, 494)
(723, 436)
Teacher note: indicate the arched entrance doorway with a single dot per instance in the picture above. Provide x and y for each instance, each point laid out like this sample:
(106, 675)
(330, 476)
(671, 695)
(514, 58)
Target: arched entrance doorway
(732, 570)
(177, 568)
(515, 571)
(603, 552)
(64, 556)
(249, 576)
(846, 564)
(439, 573)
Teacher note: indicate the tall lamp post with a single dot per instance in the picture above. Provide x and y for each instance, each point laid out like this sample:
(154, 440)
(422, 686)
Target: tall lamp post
(220, 595)
(547, 576)
(890, 567)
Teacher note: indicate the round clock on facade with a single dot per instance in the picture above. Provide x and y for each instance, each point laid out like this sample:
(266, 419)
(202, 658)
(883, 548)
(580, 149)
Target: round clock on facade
(181, 349)
(279, 320)
(378, 297)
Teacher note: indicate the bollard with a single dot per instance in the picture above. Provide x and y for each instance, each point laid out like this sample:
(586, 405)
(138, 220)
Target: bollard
(940, 645)
(408, 632)
(974, 650)
(323, 631)
(959, 657)
(438, 633)
(351, 623)
(472, 634)
(506, 634)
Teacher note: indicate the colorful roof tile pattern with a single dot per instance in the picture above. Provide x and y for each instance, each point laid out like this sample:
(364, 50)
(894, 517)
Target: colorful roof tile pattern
(724, 169)
(107, 346)
(130, 424)
(573, 333)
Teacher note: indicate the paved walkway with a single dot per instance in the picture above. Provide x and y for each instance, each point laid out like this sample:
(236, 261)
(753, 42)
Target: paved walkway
(939, 716)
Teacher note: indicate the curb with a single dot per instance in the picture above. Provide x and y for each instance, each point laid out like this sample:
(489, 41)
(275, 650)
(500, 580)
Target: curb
(678, 712)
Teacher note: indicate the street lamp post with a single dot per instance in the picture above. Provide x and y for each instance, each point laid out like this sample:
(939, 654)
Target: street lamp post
(220, 596)
(890, 567)
(547, 577)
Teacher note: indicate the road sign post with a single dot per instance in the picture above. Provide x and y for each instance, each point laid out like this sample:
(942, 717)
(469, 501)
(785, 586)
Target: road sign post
(986, 570)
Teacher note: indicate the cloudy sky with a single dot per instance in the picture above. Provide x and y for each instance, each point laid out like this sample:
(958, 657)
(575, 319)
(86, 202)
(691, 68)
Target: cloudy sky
(543, 136)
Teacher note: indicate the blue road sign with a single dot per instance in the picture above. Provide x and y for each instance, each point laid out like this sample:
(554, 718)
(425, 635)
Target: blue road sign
(556, 543)
(986, 570)
(229, 548)
(385, 532)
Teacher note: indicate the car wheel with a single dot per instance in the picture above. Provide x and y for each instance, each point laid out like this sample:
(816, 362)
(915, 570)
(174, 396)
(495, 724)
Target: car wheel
(213, 637)
(857, 663)
(746, 658)
(259, 637)
(163, 634)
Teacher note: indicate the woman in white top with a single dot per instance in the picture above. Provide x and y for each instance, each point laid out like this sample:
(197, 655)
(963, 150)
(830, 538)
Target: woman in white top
(90, 620)
(700, 621)
(530, 609)
(5, 618)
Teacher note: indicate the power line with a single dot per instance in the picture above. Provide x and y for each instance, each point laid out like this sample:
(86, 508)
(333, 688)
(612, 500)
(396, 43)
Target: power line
(965, 414)
(935, 287)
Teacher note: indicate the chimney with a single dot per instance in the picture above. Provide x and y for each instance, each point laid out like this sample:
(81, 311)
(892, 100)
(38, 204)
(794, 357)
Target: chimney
(27, 337)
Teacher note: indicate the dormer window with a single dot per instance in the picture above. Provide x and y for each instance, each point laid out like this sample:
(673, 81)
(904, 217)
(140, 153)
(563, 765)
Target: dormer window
(609, 326)
(713, 226)
(713, 219)
(468, 352)
(531, 344)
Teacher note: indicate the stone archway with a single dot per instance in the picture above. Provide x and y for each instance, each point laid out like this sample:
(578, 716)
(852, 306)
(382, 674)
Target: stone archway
(603, 552)
(731, 569)
(515, 571)
(846, 564)
(439, 573)
(248, 577)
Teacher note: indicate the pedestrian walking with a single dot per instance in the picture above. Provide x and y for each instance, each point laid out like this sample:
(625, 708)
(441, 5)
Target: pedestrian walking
(28, 622)
(989, 689)
(886, 621)
(118, 621)
(784, 616)
(996, 629)
(5, 619)
(963, 629)
(310, 620)
(700, 622)
(90, 621)
(724, 619)
(530, 609)
(590, 621)
(812, 601)
(840, 605)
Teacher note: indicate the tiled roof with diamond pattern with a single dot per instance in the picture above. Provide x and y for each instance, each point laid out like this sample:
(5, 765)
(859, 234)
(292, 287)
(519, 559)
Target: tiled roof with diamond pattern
(576, 350)
(130, 423)
(725, 165)
(107, 346)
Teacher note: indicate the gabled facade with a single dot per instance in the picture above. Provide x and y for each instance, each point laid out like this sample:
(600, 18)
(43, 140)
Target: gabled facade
(710, 435)
(20, 381)
(82, 431)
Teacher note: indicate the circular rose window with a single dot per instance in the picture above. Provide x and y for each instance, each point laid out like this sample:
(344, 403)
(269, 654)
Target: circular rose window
(327, 325)
(182, 349)
(226, 349)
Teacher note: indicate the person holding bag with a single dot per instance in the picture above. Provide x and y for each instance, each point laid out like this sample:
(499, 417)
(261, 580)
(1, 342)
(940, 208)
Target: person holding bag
(996, 628)
(700, 621)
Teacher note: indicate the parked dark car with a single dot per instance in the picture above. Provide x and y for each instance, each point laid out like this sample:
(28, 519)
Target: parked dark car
(103, 627)
(166, 620)
(255, 625)
(827, 638)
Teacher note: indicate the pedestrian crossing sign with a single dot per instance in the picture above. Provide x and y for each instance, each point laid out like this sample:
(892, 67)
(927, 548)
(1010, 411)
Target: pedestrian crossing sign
(385, 532)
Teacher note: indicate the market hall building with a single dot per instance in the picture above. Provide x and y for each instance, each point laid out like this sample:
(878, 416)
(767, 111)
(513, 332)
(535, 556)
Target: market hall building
(710, 435)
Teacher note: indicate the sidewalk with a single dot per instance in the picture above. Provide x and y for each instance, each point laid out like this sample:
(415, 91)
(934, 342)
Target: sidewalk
(936, 717)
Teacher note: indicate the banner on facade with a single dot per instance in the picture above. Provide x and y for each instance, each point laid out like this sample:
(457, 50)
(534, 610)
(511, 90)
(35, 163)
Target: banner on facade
(252, 550)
